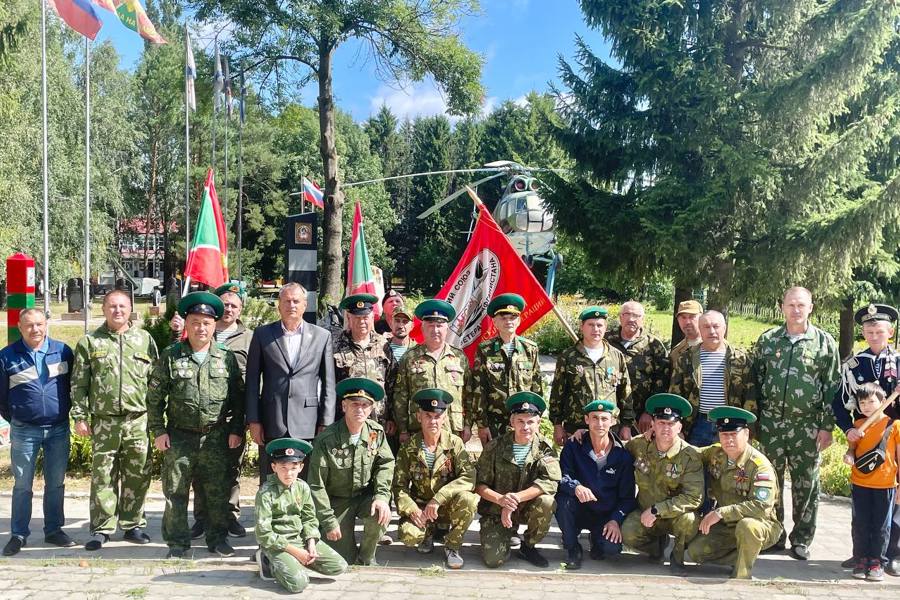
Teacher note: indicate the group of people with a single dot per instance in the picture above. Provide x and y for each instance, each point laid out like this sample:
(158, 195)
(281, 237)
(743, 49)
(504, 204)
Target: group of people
(654, 443)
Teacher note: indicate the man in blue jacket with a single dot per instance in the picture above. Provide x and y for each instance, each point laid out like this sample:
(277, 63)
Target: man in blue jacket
(597, 486)
(34, 398)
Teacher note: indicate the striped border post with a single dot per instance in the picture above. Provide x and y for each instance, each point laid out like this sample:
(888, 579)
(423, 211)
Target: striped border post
(301, 258)
(19, 291)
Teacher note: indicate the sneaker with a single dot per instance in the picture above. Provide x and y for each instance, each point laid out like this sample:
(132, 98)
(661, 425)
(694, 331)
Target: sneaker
(452, 559)
(859, 569)
(385, 540)
(439, 534)
(531, 554)
(175, 553)
(515, 541)
(850, 563)
(892, 567)
(197, 530)
(96, 542)
(13, 546)
(61, 539)
(800, 552)
(875, 572)
(136, 535)
(265, 567)
(222, 549)
(235, 529)
(426, 546)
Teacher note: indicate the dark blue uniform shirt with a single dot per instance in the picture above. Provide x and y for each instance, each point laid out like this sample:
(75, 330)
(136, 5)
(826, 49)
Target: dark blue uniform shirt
(613, 485)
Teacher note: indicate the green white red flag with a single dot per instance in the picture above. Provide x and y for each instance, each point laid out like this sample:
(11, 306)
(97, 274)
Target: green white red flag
(360, 277)
(207, 261)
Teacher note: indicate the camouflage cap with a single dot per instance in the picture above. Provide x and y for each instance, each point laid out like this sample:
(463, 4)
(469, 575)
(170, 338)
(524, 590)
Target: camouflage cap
(689, 307)
(402, 310)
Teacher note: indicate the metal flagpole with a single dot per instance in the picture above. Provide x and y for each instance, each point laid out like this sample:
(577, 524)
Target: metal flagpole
(225, 186)
(46, 278)
(86, 290)
(240, 199)
(187, 151)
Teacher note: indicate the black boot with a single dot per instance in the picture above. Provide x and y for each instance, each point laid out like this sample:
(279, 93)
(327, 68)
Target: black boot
(531, 554)
(574, 557)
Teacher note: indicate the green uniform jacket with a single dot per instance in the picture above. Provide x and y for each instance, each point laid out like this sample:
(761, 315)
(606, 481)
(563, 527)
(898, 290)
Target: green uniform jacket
(796, 381)
(339, 469)
(678, 349)
(495, 376)
(648, 366)
(672, 482)
(192, 397)
(497, 469)
(390, 378)
(109, 378)
(285, 516)
(747, 488)
(239, 343)
(371, 362)
(415, 484)
(418, 371)
(687, 376)
(579, 381)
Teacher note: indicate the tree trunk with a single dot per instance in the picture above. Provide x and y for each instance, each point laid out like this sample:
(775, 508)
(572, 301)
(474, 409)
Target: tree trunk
(845, 343)
(332, 220)
(720, 292)
(682, 293)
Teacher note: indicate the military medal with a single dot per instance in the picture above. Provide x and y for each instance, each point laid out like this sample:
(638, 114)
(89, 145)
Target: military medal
(373, 441)
(579, 369)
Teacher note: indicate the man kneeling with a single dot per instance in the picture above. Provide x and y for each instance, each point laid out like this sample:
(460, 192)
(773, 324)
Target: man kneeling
(286, 526)
(743, 484)
(433, 481)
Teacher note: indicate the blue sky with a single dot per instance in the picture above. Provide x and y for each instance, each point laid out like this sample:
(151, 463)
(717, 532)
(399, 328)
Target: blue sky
(519, 39)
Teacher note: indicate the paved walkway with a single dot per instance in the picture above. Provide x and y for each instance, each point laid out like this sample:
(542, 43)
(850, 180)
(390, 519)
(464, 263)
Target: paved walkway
(122, 570)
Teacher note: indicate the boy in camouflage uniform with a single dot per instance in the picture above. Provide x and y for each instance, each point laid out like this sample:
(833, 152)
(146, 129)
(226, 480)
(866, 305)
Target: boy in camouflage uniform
(109, 403)
(433, 481)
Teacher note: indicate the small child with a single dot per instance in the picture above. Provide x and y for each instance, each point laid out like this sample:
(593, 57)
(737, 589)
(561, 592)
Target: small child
(286, 526)
(873, 492)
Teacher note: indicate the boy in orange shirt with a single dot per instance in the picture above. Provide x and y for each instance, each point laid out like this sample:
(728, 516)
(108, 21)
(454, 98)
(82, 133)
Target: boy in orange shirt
(873, 486)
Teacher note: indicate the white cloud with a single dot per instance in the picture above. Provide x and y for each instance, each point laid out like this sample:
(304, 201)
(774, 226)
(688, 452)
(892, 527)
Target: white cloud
(418, 100)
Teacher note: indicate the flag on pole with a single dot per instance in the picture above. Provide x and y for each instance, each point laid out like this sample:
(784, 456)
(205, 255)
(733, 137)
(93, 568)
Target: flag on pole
(79, 15)
(228, 95)
(360, 277)
(190, 73)
(242, 114)
(313, 194)
(218, 80)
(207, 261)
(134, 17)
(490, 266)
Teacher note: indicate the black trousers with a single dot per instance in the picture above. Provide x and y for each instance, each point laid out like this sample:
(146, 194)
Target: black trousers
(872, 518)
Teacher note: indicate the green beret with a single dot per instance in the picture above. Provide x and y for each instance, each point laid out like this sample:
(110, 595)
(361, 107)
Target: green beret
(601, 405)
(234, 287)
(359, 387)
(669, 407)
(203, 303)
(731, 418)
(359, 304)
(876, 312)
(433, 399)
(526, 402)
(288, 450)
(593, 312)
(506, 303)
(436, 310)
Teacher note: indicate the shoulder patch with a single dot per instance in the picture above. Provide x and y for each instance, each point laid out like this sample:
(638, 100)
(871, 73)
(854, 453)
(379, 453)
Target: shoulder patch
(761, 493)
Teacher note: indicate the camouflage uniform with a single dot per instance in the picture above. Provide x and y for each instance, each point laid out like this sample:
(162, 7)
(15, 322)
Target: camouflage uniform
(745, 494)
(390, 378)
(578, 381)
(673, 483)
(679, 349)
(795, 383)
(449, 483)
(198, 405)
(286, 516)
(498, 471)
(648, 366)
(418, 371)
(109, 389)
(345, 479)
(495, 376)
(371, 362)
(740, 390)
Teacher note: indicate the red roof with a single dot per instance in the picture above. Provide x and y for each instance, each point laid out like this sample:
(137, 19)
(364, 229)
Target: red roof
(138, 225)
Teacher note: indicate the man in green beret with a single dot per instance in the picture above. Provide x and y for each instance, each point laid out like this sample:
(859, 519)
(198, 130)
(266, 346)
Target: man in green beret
(350, 473)
(433, 364)
(517, 477)
(744, 490)
(286, 524)
(196, 416)
(434, 481)
(504, 364)
(669, 476)
(591, 369)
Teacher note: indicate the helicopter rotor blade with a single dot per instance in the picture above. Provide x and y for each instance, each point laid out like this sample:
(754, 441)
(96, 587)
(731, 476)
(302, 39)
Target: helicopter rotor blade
(411, 175)
(457, 194)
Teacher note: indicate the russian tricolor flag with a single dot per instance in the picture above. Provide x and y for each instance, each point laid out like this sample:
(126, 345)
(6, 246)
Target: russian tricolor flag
(79, 15)
(312, 193)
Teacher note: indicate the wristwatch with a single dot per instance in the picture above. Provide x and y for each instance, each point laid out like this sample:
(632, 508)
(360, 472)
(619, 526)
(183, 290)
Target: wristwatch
(654, 511)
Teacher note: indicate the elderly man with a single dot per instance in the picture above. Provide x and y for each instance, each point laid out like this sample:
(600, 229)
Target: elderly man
(597, 487)
(591, 369)
(359, 351)
(669, 475)
(292, 362)
(351, 472)
(391, 300)
(109, 404)
(504, 364)
(688, 319)
(517, 477)
(796, 375)
(196, 414)
(434, 364)
(743, 489)
(710, 375)
(35, 399)
(433, 481)
(646, 356)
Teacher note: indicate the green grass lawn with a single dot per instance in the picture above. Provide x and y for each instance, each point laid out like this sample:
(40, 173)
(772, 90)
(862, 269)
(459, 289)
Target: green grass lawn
(742, 332)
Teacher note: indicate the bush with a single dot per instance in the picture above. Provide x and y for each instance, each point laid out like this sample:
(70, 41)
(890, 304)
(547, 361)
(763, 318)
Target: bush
(834, 475)
(661, 293)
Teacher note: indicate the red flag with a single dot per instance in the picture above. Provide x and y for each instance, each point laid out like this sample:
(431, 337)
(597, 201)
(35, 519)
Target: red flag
(489, 267)
(79, 15)
(360, 278)
(207, 261)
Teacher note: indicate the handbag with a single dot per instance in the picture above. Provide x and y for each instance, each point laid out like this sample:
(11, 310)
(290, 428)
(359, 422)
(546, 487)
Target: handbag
(874, 458)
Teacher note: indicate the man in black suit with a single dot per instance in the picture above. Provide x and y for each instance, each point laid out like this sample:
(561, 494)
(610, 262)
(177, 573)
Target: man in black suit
(294, 361)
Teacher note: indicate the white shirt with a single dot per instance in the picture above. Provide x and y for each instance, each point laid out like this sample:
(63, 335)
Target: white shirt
(594, 354)
(292, 340)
